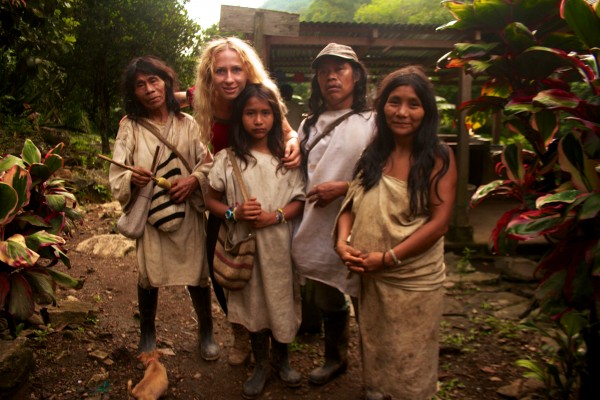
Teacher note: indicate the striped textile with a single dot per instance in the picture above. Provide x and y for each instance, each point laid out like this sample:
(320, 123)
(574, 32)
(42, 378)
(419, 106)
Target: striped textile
(164, 214)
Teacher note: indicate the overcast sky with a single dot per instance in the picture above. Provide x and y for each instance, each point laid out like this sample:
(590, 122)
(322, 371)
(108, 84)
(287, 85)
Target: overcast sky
(206, 12)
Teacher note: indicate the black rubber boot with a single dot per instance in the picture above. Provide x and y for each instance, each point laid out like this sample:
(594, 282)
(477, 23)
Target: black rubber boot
(336, 348)
(254, 386)
(281, 364)
(209, 349)
(147, 301)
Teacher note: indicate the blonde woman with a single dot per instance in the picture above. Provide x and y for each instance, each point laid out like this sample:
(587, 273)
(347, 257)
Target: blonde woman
(224, 69)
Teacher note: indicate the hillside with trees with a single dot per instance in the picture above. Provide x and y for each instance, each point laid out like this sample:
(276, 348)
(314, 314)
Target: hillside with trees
(365, 11)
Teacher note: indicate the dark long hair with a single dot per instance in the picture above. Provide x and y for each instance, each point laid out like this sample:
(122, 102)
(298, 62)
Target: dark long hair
(426, 145)
(317, 105)
(148, 65)
(238, 137)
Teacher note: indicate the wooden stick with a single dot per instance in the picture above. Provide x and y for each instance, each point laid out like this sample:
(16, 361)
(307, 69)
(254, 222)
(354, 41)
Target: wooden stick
(128, 167)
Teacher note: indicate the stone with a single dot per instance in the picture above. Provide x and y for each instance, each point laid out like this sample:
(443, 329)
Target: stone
(513, 312)
(499, 300)
(98, 378)
(517, 269)
(511, 390)
(453, 307)
(478, 277)
(113, 207)
(520, 388)
(16, 363)
(70, 312)
(99, 355)
(107, 245)
(110, 210)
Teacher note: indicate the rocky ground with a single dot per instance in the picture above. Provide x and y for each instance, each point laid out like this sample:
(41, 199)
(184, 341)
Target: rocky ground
(90, 352)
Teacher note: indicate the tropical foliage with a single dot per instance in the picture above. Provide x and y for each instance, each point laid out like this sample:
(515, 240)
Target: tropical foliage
(109, 34)
(35, 34)
(36, 213)
(61, 60)
(562, 359)
(539, 64)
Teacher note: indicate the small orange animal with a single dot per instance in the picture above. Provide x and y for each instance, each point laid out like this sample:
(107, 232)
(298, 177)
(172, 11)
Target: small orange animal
(154, 385)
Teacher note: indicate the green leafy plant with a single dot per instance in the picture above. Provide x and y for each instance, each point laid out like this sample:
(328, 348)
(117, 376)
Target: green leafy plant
(539, 60)
(40, 335)
(464, 265)
(448, 388)
(296, 346)
(562, 360)
(36, 214)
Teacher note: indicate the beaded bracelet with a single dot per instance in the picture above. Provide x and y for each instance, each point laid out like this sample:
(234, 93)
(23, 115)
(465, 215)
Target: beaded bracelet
(280, 217)
(230, 214)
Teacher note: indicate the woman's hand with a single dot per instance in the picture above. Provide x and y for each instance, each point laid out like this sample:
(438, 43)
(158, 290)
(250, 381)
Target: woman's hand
(182, 188)
(364, 262)
(141, 177)
(248, 210)
(292, 157)
(350, 256)
(324, 193)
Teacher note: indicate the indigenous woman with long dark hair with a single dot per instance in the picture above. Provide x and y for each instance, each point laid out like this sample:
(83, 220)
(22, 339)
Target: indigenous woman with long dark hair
(390, 232)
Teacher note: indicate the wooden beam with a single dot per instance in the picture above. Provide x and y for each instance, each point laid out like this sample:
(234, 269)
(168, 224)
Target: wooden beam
(362, 41)
(275, 23)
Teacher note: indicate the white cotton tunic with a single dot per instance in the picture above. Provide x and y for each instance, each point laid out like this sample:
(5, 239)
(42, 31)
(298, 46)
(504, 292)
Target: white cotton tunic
(332, 159)
(271, 299)
(165, 258)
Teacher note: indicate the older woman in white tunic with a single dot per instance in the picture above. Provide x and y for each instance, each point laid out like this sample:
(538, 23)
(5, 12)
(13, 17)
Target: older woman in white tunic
(171, 250)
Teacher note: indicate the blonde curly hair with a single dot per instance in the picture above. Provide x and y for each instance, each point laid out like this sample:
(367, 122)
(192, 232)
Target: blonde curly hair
(205, 92)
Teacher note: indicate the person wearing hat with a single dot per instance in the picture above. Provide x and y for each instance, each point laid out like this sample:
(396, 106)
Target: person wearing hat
(339, 126)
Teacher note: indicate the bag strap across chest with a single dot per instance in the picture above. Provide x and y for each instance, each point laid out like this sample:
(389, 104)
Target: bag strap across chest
(154, 130)
(327, 130)
(238, 173)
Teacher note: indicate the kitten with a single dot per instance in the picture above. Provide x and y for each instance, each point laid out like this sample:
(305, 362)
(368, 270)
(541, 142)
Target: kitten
(155, 383)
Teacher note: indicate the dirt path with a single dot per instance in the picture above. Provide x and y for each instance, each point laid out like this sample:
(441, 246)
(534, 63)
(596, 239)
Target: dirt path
(478, 352)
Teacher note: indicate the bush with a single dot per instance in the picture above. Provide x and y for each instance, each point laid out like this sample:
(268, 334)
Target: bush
(37, 213)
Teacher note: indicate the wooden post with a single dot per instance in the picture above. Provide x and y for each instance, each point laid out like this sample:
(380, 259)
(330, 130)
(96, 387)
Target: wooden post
(460, 229)
(261, 24)
(259, 35)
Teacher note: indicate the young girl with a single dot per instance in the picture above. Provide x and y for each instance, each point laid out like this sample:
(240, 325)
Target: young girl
(269, 305)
